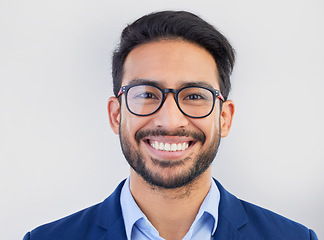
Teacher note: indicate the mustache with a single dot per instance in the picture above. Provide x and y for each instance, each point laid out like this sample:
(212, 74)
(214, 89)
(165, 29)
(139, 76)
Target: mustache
(199, 136)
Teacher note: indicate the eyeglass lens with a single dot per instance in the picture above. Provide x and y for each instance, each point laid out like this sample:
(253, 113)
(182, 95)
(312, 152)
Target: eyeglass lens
(193, 101)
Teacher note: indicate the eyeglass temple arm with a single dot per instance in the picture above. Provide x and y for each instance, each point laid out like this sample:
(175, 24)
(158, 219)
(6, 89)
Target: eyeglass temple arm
(120, 92)
(221, 96)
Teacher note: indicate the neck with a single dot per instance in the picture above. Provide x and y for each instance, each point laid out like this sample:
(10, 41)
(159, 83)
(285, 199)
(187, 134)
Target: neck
(171, 211)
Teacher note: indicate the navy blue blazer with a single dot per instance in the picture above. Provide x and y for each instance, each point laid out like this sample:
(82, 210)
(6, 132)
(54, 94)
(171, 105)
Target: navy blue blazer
(237, 219)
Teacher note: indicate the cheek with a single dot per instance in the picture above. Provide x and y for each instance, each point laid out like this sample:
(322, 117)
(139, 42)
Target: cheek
(215, 123)
(127, 125)
(131, 123)
(125, 121)
(210, 130)
(210, 126)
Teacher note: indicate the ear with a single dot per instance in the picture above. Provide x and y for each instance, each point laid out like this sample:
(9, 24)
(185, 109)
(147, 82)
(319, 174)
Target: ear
(114, 114)
(227, 114)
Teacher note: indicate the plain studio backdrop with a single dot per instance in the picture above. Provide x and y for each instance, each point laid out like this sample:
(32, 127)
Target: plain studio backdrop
(58, 154)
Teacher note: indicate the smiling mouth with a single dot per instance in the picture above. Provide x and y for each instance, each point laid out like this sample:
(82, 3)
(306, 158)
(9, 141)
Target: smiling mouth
(169, 147)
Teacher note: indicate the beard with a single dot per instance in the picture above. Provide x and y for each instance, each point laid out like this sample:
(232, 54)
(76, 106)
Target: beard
(179, 179)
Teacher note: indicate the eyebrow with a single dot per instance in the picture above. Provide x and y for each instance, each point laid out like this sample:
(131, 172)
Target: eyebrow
(146, 81)
(196, 83)
(161, 85)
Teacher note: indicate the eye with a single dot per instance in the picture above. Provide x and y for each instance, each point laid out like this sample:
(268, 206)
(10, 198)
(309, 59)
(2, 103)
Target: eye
(147, 95)
(194, 97)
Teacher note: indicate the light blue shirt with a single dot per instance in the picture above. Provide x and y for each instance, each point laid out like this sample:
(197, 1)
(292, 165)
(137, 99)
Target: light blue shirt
(138, 227)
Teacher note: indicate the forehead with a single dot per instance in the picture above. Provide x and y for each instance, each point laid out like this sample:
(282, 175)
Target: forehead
(170, 63)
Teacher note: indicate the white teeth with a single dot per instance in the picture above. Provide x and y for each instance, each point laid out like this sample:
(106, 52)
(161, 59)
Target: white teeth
(161, 146)
(169, 147)
(179, 147)
(174, 147)
(185, 145)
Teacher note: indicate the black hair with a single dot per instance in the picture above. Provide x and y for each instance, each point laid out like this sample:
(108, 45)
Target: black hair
(169, 25)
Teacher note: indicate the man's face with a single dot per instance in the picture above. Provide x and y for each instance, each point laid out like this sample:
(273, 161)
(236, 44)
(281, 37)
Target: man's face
(169, 64)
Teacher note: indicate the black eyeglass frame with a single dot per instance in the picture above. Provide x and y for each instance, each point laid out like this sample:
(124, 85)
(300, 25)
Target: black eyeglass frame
(124, 90)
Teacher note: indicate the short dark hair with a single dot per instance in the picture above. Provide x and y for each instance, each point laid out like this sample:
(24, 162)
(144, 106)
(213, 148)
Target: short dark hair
(169, 25)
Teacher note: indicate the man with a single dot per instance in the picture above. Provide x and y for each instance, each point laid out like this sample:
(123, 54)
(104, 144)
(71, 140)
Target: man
(171, 75)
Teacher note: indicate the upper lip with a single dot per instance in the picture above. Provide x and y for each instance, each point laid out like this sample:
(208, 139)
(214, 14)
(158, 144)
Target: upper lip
(169, 139)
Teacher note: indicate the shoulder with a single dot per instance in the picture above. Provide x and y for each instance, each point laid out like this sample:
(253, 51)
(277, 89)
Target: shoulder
(89, 223)
(270, 225)
(254, 222)
(78, 224)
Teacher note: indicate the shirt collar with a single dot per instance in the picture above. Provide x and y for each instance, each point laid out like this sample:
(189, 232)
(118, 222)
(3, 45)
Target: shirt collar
(210, 204)
(132, 213)
(130, 210)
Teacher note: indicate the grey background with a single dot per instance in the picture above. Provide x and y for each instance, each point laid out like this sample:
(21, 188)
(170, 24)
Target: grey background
(58, 154)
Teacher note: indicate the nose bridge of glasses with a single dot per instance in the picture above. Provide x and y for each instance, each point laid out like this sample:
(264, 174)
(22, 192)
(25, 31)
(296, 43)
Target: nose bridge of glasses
(170, 90)
(170, 113)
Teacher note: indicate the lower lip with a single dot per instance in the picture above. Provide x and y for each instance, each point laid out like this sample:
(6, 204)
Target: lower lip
(171, 155)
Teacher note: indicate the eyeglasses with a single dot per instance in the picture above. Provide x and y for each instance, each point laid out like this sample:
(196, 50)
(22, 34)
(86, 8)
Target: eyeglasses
(192, 101)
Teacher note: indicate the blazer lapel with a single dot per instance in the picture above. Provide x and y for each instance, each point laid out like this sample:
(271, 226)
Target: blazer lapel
(232, 217)
(110, 216)
(116, 231)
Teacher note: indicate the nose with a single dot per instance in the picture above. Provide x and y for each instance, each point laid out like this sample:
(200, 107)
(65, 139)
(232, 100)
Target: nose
(169, 115)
